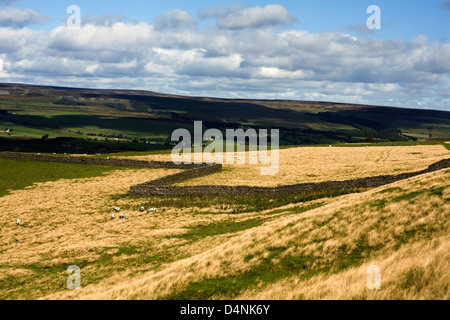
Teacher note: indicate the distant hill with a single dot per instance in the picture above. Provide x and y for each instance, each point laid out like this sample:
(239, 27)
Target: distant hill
(144, 120)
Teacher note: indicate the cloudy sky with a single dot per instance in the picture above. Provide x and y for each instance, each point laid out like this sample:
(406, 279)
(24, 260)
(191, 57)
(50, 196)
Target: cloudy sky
(301, 49)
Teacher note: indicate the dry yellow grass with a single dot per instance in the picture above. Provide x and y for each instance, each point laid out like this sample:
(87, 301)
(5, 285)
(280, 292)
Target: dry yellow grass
(411, 215)
(146, 256)
(66, 220)
(315, 164)
(417, 271)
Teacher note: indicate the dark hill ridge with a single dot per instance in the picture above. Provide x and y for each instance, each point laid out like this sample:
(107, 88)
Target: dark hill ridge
(134, 115)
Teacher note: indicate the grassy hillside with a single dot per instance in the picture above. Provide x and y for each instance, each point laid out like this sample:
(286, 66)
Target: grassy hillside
(306, 246)
(17, 175)
(316, 251)
(147, 118)
(315, 164)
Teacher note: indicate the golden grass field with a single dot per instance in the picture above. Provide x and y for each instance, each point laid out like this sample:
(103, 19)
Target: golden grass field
(315, 164)
(312, 250)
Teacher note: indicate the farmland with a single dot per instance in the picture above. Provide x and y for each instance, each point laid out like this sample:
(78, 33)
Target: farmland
(315, 244)
(53, 119)
(315, 247)
(315, 164)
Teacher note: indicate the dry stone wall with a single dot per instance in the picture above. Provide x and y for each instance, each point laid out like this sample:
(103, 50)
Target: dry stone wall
(163, 186)
(130, 163)
(158, 189)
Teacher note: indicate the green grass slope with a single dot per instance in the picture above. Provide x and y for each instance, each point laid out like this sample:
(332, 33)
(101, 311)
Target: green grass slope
(33, 111)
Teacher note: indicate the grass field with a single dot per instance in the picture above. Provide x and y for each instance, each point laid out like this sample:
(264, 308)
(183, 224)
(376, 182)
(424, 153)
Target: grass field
(16, 175)
(308, 246)
(314, 164)
(33, 111)
(320, 252)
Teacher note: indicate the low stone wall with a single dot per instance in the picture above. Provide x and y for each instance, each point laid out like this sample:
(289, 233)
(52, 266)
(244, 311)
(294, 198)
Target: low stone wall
(177, 177)
(163, 186)
(130, 163)
(155, 188)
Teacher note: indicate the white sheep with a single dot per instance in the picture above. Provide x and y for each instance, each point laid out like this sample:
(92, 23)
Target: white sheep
(123, 216)
(113, 216)
(151, 210)
(18, 222)
(142, 209)
(117, 209)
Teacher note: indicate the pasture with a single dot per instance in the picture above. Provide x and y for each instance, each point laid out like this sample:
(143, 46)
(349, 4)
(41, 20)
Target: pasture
(316, 164)
(315, 247)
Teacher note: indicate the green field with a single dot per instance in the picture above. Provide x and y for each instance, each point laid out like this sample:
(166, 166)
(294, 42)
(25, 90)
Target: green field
(17, 175)
(148, 119)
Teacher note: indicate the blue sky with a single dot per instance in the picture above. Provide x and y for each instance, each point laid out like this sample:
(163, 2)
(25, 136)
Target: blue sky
(304, 49)
(401, 19)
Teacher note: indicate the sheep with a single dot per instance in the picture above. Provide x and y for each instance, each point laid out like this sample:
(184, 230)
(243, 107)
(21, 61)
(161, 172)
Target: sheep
(151, 210)
(123, 216)
(18, 222)
(113, 216)
(142, 209)
(331, 146)
(117, 209)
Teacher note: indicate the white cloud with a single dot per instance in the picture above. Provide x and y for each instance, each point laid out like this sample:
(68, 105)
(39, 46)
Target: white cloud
(105, 20)
(18, 18)
(91, 69)
(174, 19)
(233, 63)
(360, 29)
(3, 74)
(237, 17)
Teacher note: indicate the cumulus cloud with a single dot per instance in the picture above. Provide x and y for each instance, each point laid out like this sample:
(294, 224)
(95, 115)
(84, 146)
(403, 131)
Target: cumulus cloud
(105, 20)
(18, 18)
(174, 19)
(237, 17)
(231, 62)
(360, 29)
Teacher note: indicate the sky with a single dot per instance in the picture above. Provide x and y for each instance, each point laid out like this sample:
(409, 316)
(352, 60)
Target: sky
(319, 50)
